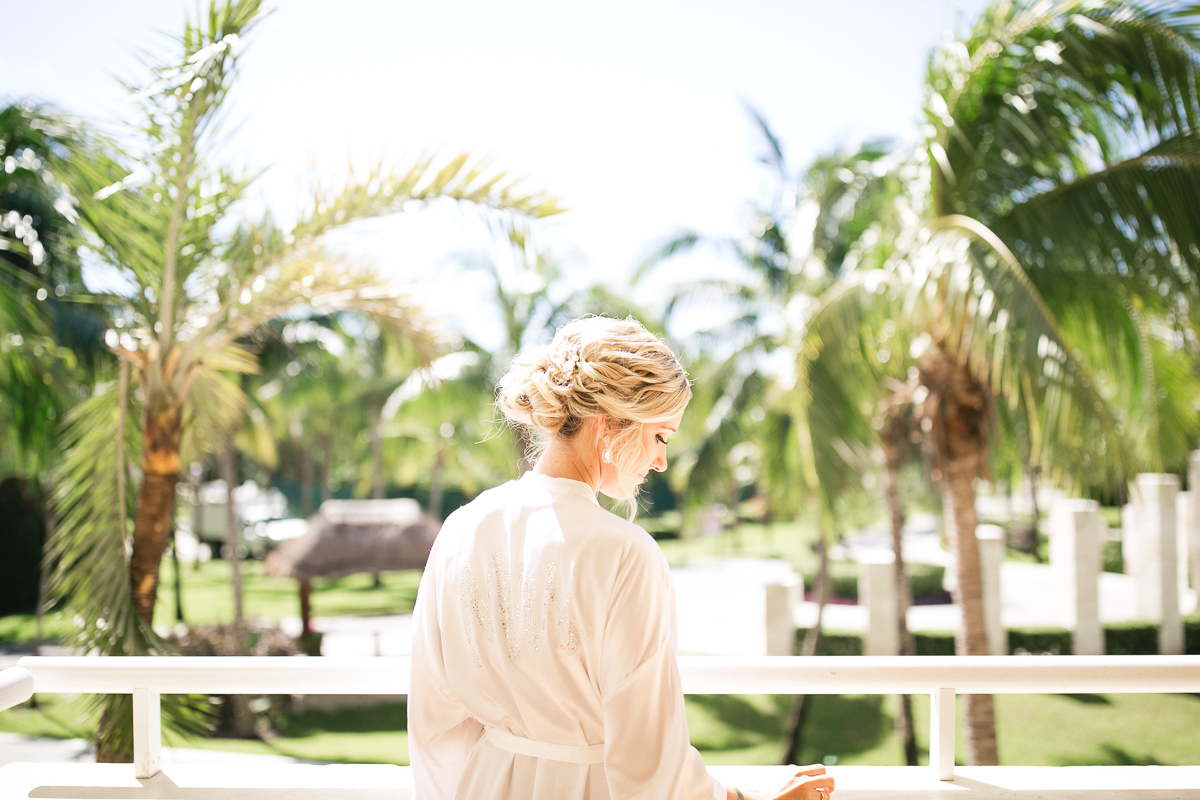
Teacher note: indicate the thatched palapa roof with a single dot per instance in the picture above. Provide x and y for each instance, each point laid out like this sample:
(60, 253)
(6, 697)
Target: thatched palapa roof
(348, 536)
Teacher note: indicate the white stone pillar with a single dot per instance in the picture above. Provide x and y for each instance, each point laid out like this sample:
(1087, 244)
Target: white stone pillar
(1077, 533)
(1193, 528)
(991, 556)
(782, 598)
(877, 591)
(1183, 526)
(1155, 573)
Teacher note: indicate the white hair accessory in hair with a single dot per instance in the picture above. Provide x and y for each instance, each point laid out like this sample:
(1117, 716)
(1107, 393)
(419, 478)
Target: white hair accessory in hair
(566, 366)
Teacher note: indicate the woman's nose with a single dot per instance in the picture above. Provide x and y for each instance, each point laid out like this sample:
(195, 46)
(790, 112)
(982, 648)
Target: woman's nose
(660, 463)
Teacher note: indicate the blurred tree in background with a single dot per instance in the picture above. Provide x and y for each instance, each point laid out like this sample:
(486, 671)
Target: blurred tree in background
(156, 218)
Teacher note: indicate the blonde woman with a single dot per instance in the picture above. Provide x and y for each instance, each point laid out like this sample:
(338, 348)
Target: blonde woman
(544, 642)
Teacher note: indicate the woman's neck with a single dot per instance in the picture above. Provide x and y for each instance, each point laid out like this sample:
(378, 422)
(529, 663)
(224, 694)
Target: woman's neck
(564, 458)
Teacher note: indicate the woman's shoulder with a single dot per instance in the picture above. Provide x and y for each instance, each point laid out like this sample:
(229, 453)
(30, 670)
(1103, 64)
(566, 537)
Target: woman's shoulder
(628, 540)
(580, 517)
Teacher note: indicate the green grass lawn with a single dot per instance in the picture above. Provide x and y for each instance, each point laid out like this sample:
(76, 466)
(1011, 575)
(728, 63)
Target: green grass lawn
(1054, 730)
(789, 541)
(208, 596)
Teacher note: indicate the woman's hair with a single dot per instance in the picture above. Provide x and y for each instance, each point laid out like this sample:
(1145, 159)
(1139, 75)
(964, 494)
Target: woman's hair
(595, 366)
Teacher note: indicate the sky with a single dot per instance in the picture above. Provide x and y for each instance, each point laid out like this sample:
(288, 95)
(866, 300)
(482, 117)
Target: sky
(632, 113)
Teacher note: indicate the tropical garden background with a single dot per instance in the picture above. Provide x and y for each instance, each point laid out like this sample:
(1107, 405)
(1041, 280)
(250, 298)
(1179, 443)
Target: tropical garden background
(1009, 301)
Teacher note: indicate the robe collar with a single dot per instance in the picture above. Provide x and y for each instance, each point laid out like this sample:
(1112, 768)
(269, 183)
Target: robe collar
(560, 485)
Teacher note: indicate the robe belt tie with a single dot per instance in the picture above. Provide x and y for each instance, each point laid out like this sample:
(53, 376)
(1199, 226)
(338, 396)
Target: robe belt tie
(572, 754)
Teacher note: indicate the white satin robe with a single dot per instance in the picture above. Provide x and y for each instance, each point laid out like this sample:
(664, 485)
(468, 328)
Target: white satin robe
(544, 656)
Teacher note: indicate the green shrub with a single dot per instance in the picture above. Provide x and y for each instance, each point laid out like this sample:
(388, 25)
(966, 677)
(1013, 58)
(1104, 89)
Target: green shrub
(925, 580)
(1112, 559)
(1055, 641)
(1120, 639)
(833, 643)
(843, 580)
(934, 643)
(1131, 639)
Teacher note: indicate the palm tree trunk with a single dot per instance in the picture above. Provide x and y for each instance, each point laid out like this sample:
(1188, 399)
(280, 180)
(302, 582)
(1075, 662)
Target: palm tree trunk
(812, 642)
(376, 456)
(239, 715)
(233, 542)
(436, 478)
(956, 425)
(958, 495)
(895, 436)
(162, 429)
(1031, 477)
(178, 577)
(326, 467)
(306, 479)
(310, 640)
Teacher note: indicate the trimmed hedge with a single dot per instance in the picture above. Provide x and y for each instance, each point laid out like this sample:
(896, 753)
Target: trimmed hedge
(833, 643)
(1131, 639)
(934, 643)
(925, 580)
(1120, 639)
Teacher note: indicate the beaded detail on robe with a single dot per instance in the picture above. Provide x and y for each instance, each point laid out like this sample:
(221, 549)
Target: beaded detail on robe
(516, 617)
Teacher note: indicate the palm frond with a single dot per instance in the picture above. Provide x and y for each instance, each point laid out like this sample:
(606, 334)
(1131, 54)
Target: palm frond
(679, 243)
(386, 191)
(215, 406)
(1138, 220)
(983, 307)
(830, 387)
(1042, 93)
(91, 573)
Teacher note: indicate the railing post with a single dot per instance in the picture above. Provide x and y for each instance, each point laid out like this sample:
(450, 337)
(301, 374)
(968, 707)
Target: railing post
(941, 734)
(782, 597)
(147, 733)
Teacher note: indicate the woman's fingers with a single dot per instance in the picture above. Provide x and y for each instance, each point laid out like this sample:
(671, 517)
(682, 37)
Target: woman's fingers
(806, 783)
(811, 769)
(824, 782)
(815, 788)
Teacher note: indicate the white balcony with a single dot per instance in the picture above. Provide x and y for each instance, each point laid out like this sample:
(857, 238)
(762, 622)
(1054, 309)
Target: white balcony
(940, 677)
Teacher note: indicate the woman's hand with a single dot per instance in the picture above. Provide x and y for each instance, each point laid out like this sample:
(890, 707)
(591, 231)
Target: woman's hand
(804, 783)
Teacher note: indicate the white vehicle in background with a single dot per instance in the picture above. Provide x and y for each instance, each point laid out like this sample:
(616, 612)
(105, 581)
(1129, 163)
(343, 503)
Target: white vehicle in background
(261, 514)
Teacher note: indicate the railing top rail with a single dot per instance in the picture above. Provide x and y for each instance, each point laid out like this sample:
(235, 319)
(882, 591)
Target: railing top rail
(700, 674)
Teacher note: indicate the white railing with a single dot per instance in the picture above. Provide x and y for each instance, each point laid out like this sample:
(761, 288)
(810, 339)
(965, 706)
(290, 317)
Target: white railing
(941, 677)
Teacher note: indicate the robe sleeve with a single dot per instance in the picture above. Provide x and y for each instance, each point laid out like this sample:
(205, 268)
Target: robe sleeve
(441, 733)
(647, 752)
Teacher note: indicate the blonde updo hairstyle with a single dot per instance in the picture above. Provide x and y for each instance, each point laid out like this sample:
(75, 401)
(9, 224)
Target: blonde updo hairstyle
(596, 366)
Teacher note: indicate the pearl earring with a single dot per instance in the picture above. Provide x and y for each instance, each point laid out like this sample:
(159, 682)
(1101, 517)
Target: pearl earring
(606, 456)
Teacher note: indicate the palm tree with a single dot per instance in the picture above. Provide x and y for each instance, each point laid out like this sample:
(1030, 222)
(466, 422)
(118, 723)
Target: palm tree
(197, 293)
(44, 336)
(1062, 195)
(180, 333)
(795, 362)
(441, 421)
